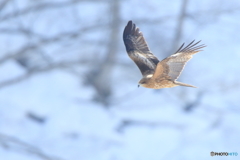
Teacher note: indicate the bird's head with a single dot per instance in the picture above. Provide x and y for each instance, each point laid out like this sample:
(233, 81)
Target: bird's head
(143, 82)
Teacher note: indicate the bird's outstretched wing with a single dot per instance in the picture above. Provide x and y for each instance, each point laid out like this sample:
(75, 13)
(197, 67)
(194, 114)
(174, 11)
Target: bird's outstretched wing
(172, 66)
(138, 50)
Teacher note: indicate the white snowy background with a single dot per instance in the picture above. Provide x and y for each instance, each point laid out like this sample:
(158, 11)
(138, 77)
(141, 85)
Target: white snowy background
(68, 90)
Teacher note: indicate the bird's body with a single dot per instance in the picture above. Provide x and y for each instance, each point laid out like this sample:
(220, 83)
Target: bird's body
(161, 83)
(157, 74)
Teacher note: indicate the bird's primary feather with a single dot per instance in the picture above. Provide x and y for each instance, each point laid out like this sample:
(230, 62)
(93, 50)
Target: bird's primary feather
(174, 64)
(138, 49)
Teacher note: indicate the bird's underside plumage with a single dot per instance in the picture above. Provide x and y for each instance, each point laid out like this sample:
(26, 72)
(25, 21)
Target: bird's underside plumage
(157, 74)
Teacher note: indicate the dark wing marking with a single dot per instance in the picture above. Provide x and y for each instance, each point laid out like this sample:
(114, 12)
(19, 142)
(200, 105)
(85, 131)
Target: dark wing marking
(138, 49)
(174, 64)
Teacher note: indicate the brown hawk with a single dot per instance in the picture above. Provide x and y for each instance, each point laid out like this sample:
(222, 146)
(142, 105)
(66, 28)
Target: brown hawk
(157, 74)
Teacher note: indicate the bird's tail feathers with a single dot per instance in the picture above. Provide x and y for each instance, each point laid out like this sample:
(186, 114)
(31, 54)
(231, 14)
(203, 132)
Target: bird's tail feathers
(184, 84)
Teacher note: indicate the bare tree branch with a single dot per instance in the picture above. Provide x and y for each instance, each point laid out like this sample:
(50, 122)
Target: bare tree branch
(19, 31)
(44, 6)
(180, 23)
(14, 143)
(100, 77)
(192, 105)
(129, 123)
(3, 4)
(44, 41)
(60, 65)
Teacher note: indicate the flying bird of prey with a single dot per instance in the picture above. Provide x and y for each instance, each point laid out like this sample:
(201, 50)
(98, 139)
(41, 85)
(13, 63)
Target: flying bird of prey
(157, 74)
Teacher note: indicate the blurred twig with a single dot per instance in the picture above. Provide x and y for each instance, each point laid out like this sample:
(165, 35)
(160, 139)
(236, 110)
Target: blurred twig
(129, 123)
(100, 76)
(180, 23)
(13, 143)
(60, 65)
(43, 6)
(18, 31)
(44, 41)
(3, 4)
(193, 104)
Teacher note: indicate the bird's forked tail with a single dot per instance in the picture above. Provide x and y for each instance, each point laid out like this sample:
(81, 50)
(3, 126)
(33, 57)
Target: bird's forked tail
(184, 84)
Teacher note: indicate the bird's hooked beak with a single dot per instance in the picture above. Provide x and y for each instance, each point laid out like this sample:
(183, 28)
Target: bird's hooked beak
(138, 85)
